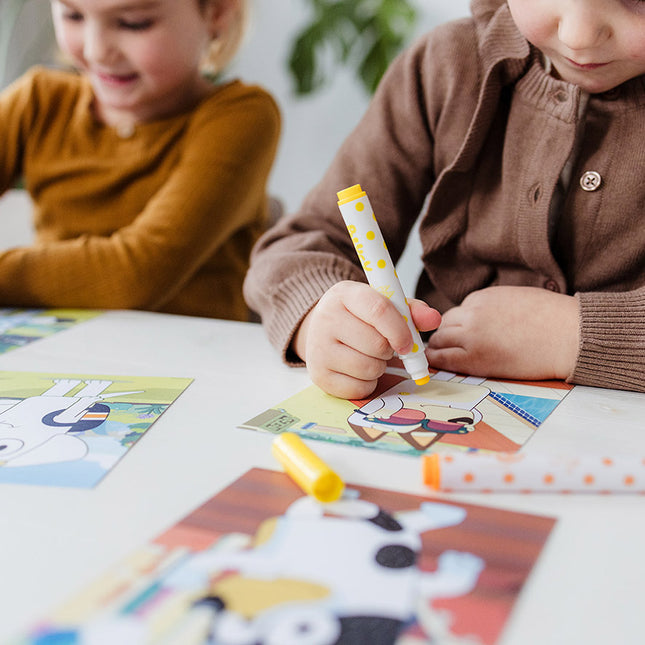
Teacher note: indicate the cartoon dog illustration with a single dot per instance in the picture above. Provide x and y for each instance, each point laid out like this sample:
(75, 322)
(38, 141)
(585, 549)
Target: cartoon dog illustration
(41, 429)
(343, 573)
(421, 415)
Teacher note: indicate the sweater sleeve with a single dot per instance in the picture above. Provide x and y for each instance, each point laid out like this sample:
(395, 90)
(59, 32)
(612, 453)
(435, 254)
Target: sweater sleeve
(612, 343)
(390, 153)
(213, 191)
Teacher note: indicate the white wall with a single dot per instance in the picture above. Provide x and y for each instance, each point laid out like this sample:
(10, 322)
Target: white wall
(31, 41)
(313, 127)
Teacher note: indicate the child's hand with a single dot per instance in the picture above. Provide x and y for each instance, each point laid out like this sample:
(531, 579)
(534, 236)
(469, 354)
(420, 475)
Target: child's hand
(509, 332)
(351, 333)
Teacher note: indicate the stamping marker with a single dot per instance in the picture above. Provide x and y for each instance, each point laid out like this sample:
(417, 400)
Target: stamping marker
(308, 470)
(372, 251)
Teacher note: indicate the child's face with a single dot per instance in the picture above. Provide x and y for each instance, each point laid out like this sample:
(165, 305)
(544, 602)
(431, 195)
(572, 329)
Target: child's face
(596, 44)
(141, 56)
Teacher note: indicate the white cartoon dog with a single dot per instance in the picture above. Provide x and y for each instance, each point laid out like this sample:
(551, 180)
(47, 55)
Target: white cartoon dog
(41, 429)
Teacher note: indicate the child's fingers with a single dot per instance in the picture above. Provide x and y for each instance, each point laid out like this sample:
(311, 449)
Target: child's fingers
(450, 359)
(365, 339)
(345, 387)
(377, 311)
(345, 372)
(425, 318)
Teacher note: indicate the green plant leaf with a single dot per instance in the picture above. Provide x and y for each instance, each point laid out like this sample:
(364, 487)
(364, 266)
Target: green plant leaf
(365, 34)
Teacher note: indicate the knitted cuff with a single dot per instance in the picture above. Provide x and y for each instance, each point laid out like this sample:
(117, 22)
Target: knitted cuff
(292, 300)
(612, 344)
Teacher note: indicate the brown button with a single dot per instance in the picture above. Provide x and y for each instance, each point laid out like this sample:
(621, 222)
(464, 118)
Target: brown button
(611, 95)
(534, 194)
(552, 285)
(590, 180)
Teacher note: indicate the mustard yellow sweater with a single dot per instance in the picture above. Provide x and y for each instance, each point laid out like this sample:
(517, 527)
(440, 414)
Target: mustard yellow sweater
(162, 220)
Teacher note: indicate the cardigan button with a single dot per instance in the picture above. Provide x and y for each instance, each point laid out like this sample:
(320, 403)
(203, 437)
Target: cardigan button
(552, 285)
(590, 180)
(561, 96)
(612, 94)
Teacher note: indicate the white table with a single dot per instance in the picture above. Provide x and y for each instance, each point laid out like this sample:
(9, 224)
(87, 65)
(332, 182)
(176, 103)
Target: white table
(587, 587)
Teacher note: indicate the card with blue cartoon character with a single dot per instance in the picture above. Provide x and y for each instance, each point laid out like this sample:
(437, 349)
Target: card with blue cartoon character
(71, 429)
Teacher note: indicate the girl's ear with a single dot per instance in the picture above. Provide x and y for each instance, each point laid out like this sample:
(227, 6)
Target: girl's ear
(219, 14)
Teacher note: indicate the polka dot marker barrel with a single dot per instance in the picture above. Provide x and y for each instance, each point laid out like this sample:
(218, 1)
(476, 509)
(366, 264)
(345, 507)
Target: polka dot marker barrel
(534, 473)
(372, 251)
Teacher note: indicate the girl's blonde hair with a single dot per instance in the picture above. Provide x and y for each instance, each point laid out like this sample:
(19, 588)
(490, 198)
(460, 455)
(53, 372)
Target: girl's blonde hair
(225, 45)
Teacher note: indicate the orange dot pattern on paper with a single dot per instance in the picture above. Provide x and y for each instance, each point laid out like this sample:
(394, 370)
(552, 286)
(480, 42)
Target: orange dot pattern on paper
(534, 473)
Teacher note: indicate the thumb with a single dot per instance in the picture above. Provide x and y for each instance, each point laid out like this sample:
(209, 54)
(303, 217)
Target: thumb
(425, 318)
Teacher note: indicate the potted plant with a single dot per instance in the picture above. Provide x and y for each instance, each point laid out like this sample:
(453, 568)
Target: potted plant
(365, 34)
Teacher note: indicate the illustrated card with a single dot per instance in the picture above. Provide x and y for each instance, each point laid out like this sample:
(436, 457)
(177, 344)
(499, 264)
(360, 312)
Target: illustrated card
(20, 327)
(71, 430)
(462, 412)
(262, 564)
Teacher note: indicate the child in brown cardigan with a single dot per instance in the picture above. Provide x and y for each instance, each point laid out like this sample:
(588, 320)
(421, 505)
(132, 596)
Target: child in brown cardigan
(518, 135)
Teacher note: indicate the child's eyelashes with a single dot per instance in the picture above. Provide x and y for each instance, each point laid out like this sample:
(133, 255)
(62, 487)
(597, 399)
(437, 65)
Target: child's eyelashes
(121, 23)
(136, 25)
(73, 16)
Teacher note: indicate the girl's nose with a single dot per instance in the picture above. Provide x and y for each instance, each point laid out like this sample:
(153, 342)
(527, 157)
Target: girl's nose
(581, 26)
(97, 45)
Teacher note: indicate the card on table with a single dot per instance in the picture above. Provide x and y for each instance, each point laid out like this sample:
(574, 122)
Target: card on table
(262, 564)
(72, 429)
(456, 411)
(20, 327)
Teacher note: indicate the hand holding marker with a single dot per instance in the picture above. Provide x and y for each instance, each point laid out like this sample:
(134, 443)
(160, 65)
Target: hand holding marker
(368, 241)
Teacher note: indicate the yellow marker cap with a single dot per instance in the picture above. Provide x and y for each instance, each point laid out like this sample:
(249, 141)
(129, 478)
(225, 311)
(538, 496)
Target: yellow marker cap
(349, 194)
(310, 472)
(432, 471)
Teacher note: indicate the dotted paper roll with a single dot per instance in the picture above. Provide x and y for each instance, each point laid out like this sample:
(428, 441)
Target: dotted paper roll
(534, 473)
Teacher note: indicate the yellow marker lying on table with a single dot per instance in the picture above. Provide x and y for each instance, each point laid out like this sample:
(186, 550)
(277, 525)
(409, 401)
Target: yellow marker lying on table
(308, 470)
(368, 241)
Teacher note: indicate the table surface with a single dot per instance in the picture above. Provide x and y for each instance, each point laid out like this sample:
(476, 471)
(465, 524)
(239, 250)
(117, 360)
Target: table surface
(587, 586)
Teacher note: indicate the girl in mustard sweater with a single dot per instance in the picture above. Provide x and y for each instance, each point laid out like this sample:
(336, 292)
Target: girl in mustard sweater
(148, 179)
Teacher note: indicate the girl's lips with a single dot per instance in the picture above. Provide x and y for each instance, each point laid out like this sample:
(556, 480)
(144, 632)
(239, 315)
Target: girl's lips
(116, 79)
(588, 66)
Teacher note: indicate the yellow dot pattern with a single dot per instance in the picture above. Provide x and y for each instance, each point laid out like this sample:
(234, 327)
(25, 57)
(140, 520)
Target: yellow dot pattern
(374, 256)
(370, 235)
